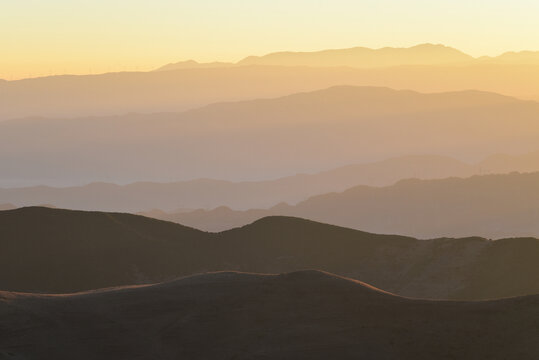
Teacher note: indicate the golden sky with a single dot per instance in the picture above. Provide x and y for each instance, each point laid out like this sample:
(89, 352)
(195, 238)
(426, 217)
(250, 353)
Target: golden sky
(40, 37)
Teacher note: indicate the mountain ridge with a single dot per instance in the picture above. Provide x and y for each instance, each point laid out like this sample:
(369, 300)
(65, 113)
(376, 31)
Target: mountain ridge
(323, 129)
(421, 54)
(188, 88)
(365, 57)
(492, 206)
(113, 249)
(243, 195)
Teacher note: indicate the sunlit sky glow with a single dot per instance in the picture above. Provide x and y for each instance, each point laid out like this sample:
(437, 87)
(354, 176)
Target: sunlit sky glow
(45, 37)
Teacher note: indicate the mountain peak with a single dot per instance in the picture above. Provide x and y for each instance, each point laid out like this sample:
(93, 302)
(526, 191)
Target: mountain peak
(422, 54)
(192, 64)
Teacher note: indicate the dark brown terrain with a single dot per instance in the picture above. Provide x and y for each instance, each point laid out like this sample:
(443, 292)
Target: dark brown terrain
(57, 251)
(302, 315)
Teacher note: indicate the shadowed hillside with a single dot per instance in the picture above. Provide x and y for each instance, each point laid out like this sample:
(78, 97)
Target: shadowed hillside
(302, 133)
(493, 206)
(308, 314)
(51, 250)
(61, 250)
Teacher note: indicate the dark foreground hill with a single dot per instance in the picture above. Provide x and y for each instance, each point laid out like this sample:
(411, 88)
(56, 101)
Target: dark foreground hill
(52, 250)
(302, 315)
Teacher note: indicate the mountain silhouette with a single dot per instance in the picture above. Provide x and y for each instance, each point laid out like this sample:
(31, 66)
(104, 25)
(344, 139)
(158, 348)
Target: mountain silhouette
(312, 314)
(301, 133)
(195, 194)
(191, 64)
(423, 54)
(359, 57)
(514, 58)
(188, 88)
(493, 206)
(185, 196)
(53, 250)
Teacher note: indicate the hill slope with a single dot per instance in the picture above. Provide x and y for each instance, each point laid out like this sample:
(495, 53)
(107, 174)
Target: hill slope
(54, 250)
(247, 316)
(51, 250)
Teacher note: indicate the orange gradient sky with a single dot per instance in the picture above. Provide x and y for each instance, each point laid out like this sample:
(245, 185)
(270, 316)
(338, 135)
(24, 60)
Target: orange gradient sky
(40, 38)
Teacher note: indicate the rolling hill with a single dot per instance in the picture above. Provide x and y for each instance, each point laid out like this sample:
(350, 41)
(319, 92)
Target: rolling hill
(301, 133)
(307, 314)
(53, 250)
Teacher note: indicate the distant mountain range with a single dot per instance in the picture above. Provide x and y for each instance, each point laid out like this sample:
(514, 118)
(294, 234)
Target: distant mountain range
(430, 68)
(362, 57)
(272, 138)
(209, 194)
(191, 64)
(513, 58)
(308, 314)
(493, 206)
(52, 250)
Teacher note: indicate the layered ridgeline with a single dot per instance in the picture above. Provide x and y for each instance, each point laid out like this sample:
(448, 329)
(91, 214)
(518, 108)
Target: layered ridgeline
(209, 194)
(196, 85)
(270, 138)
(359, 57)
(493, 206)
(307, 314)
(362, 57)
(51, 250)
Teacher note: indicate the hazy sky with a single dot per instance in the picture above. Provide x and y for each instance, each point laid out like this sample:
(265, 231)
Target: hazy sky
(42, 37)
